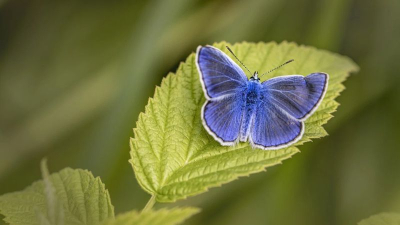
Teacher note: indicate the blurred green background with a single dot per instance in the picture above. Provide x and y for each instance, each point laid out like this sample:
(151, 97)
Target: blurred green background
(74, 76)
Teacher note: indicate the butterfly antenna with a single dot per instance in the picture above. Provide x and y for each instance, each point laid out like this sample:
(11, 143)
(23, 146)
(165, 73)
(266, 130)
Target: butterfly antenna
(277, 67)
(238, 59)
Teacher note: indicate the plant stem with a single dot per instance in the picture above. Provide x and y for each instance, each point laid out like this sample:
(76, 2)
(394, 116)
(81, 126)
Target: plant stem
(150, 203)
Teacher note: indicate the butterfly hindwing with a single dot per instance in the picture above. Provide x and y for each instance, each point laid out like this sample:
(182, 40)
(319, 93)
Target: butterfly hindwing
(222, 118)
(219, 74)
(299, 96)
(273, 128)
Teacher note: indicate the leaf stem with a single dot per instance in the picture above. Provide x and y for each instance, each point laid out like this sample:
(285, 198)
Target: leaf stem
(150, 203)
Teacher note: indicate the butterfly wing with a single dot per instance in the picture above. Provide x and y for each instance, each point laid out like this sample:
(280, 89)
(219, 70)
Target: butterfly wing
(297, 95)
(222, 118)
(286, 102)
(219, 75)
(224, 83)
(273, 128)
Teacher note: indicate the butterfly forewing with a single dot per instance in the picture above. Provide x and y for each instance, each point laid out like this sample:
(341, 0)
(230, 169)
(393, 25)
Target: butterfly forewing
(297, 95)
(219, 75)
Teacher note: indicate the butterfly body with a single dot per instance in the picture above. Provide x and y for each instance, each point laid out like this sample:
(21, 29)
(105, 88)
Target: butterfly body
(252, 98)
(270, 114)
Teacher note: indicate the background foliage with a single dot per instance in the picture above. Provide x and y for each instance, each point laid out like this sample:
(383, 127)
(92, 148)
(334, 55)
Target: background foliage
(70, 197)
(74, 76)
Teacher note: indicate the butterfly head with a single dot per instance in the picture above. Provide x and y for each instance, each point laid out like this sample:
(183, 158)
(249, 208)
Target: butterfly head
(255, 77)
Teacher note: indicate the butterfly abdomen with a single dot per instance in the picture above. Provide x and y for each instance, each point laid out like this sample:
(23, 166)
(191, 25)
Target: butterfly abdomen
(252, 98)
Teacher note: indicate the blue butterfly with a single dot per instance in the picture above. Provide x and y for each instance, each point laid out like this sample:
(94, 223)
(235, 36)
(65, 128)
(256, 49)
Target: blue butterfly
(270, 115)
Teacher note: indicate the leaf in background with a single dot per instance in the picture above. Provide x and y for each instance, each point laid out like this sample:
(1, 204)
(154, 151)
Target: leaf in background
(55, 212)
(72, 196)
(174, 157)
(382, 219)
(160, 217)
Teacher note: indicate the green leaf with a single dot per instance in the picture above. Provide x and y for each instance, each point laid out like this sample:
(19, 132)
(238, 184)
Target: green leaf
(55, 211)
(382, 219)
(160, 217)
(174, 157)
(71, 196)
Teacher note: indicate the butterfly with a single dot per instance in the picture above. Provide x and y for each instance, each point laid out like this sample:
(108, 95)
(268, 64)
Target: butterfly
(270, 114)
